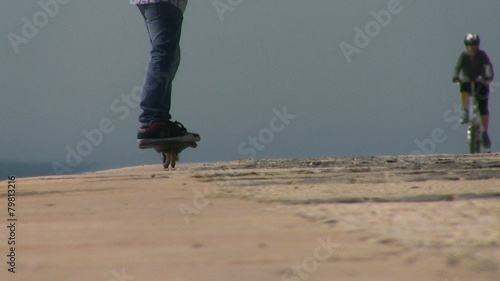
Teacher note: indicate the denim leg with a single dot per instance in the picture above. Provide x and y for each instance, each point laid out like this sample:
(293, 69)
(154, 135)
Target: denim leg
(164, 24)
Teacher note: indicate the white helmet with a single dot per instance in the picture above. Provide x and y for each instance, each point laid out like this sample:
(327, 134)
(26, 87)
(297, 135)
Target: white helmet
(472, 39)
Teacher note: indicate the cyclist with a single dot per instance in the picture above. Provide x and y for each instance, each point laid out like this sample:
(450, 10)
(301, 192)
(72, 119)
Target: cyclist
(472, 65)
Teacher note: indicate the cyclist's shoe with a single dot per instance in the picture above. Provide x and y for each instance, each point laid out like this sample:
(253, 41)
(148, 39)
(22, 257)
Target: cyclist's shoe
(486, 140)
(465, 118)
(166, 131)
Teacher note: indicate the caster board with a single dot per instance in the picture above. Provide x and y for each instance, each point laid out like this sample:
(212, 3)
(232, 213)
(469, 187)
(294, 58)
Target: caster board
(169, 149)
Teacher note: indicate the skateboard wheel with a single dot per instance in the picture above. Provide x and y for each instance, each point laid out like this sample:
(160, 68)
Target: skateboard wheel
(169, 159)
(173, 157)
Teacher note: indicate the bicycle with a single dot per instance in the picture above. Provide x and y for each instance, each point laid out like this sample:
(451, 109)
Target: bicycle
(474, 132)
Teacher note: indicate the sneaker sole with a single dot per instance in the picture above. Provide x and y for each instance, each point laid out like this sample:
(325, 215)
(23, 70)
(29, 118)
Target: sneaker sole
(146, 143)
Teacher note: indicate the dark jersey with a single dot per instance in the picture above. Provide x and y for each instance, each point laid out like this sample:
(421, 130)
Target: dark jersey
(472, 67)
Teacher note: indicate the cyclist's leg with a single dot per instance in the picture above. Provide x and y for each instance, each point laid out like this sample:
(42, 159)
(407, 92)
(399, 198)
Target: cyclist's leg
(482, 98)
(485, 121)
(465, 98)
(465, 93)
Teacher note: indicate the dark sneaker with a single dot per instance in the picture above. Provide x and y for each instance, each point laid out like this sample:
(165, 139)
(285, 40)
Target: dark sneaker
(486, 140)
(465, 118)
(166, 130)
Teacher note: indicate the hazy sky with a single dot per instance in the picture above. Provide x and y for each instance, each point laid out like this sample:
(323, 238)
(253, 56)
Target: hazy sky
(263, 79)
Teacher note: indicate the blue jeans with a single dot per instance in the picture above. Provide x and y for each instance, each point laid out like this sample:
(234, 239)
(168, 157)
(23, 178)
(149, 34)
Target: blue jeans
(164, 24)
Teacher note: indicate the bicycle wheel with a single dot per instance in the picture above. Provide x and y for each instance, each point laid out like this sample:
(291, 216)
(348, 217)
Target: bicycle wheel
(474, 137)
